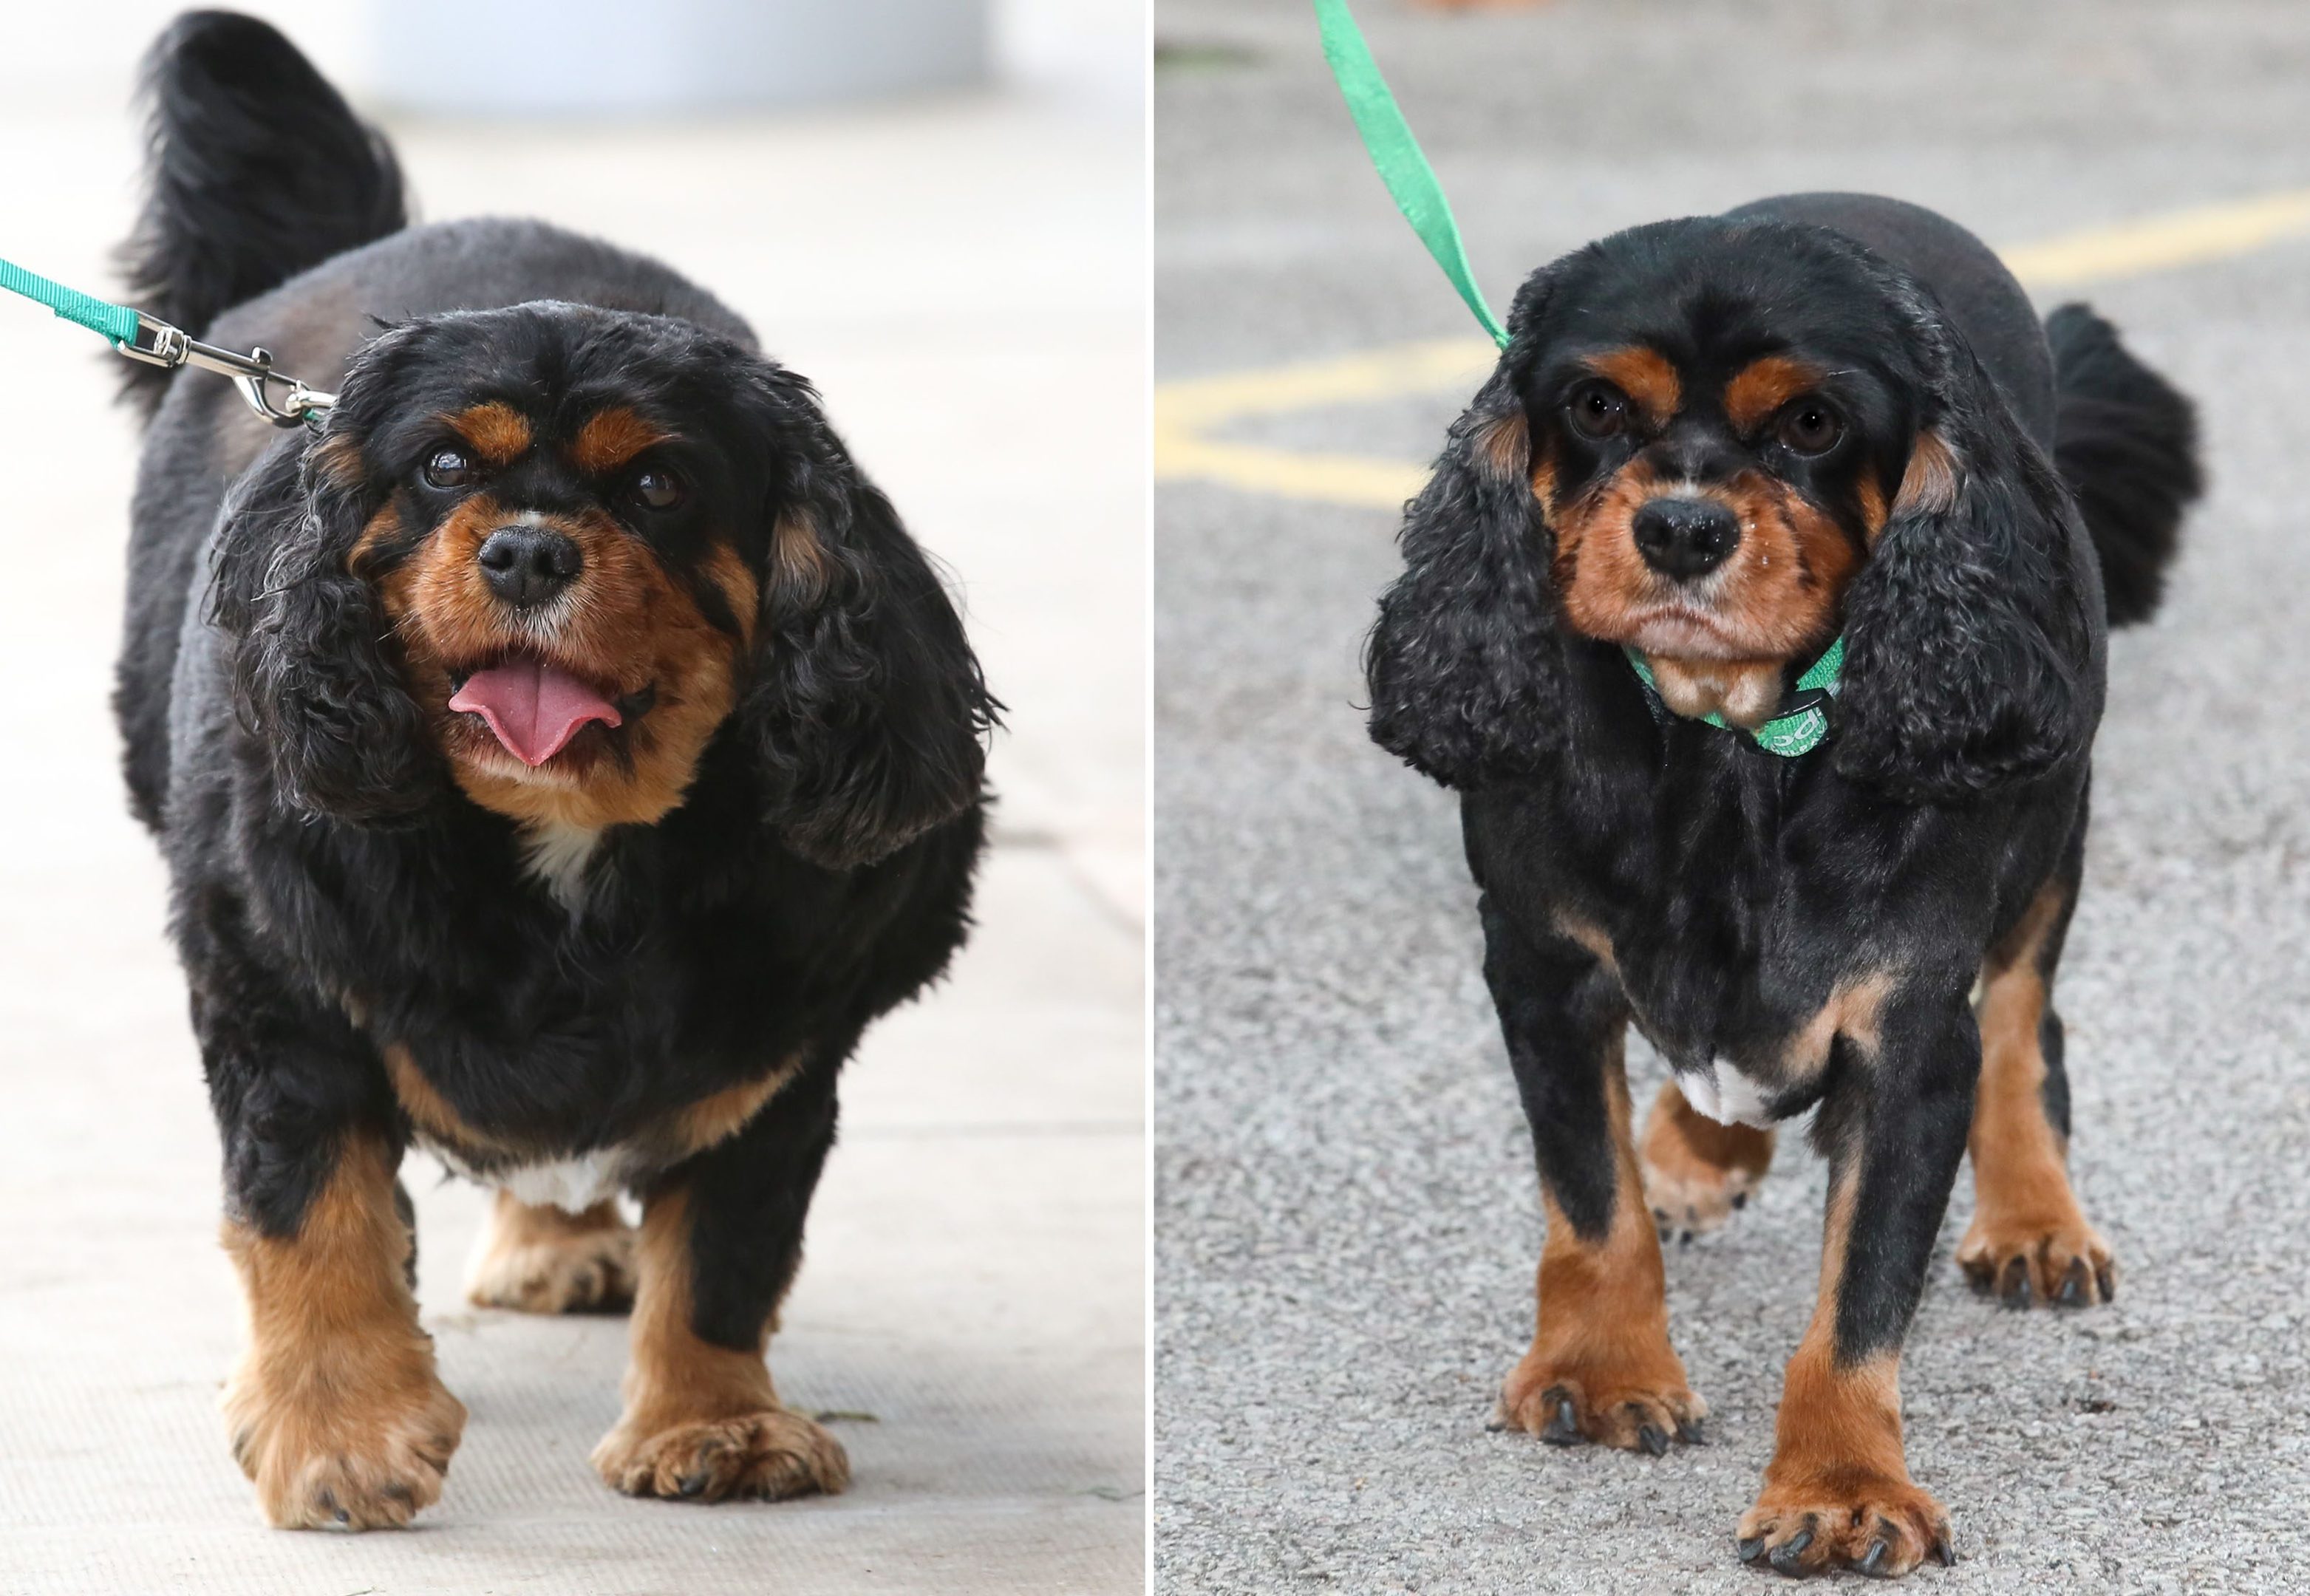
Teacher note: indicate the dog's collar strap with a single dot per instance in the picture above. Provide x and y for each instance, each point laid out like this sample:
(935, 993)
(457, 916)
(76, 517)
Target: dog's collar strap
(1387, 139)
(1802, 723)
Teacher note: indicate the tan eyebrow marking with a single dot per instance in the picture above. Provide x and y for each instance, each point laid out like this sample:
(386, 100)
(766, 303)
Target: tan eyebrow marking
(1764, 385)
(496, 432)
(610, 438)
(1644, 375)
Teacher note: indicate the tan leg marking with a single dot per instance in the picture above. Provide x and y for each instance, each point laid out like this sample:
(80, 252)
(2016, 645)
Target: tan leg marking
(703, 1421)
(542, 1260)
(1837, 1491)
(1696, 1171)
(1600, 1366)
(2030, 1240)
(335, 1410)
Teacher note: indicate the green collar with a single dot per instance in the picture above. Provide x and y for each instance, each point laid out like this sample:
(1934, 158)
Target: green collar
(1802, 723)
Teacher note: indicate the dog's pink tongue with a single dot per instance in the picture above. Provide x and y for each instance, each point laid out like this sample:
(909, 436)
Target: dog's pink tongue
(534, 707)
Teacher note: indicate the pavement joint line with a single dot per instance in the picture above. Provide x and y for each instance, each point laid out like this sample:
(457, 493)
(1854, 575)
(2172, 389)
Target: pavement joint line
(1190, 411)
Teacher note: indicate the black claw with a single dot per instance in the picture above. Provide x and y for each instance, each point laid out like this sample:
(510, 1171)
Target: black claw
(1875, 1560)
(1943, 1551)
(1664, 1234)
(1652, 1440)
(1661, 1214)
(1564, 1429)
(2013, 1290)
(2073, 1293)
(691, 1484)
(1689, 1431)
(1684, 1238)
(1740, 1200)
(1785, 1555)
(1750, 1550)
(2107, 1281)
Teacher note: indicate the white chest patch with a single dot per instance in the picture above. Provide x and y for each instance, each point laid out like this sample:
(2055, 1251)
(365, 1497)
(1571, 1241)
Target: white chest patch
(558, 854)
(1721, 1093)
(571, 1184)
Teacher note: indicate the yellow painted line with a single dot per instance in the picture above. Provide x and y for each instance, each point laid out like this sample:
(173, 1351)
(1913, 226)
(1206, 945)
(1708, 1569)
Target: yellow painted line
(1188, 413)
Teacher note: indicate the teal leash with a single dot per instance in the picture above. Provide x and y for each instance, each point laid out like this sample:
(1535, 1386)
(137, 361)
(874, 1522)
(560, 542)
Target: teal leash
(154, 341)
(1802, 723)
(1388, 138)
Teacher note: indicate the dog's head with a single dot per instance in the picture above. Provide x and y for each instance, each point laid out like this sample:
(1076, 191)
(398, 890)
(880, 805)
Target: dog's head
(550, 554)
(1719, 444)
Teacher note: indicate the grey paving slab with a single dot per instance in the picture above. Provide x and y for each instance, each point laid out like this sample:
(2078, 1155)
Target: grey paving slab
(973, 1297)
(1347, 1220)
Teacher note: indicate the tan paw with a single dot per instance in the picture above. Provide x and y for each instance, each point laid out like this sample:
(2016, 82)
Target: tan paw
(1696, 1172)
(1848, 1518)
(542, 1260)
(2057, 1259)
(769, 1455)
(1636, 1410)
(366, 1454)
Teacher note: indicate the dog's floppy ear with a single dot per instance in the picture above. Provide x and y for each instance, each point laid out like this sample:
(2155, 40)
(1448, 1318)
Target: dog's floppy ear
(1970, 647)
(867, 708)
(312, 680)
(1465, 664)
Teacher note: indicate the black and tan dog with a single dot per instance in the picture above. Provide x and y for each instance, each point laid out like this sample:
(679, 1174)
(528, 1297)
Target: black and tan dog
(1714, 447)
(561, 757)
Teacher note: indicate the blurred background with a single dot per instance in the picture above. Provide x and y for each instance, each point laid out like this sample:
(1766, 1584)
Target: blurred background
(936, 210)
(1347, 1219)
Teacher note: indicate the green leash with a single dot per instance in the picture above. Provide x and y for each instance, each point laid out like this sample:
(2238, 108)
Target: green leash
(155, 342)
(1387, 136)
(1803, 721)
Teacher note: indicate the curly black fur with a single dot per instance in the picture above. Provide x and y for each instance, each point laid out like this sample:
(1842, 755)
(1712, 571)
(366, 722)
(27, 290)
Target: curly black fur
(257, 169)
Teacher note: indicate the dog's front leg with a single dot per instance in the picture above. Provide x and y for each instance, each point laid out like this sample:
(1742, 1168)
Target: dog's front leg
(336, 1412)
(721, 1239)
(1838, 1491)
(1600, 1367)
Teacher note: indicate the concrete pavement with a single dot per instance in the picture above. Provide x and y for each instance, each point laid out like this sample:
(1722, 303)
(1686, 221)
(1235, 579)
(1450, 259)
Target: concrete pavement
(964, 279)
(1347, 1219)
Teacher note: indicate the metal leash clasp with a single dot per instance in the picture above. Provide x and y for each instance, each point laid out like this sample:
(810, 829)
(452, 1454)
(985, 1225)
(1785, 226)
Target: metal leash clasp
(157, 343)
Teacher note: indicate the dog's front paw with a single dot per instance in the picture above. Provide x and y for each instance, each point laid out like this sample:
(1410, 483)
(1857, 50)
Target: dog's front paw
(2024, 1259)
(1640, 1405)
(542, 1260)
(1879, 1524)
(769, 1455)
(366, 1451)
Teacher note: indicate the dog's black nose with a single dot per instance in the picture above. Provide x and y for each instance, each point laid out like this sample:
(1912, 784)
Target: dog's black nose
(527, 565)
(1685, 537)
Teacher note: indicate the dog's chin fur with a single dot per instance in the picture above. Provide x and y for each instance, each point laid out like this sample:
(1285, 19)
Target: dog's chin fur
(1745, 692)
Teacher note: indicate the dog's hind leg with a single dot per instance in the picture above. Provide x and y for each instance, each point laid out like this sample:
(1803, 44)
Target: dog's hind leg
(721, 1239)
(2030, 1240)
(538, 1259)
(1600, 1366)
(1696, 1171)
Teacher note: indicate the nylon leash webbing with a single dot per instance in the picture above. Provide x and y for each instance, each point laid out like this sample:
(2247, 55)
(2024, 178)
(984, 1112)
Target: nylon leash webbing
(1387, 139)
(146, 338)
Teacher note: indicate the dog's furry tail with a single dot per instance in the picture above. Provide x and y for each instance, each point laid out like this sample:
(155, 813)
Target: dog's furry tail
(2125, 441)
(256, 170)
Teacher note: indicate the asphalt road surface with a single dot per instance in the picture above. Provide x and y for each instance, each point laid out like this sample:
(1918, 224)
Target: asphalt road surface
(1347, 1218)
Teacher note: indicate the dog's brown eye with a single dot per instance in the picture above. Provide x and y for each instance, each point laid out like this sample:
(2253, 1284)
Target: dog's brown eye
(658, 488)
(449, 469)
(1598, 410)
(1811, 428)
